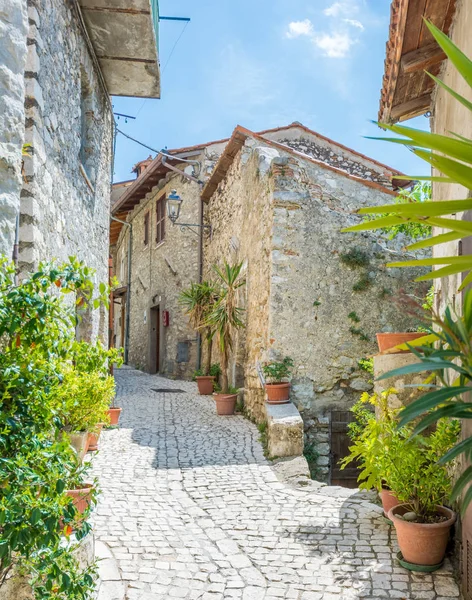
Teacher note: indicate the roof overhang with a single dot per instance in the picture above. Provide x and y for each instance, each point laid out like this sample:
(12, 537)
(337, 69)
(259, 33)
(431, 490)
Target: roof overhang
(411, 51)
(125, 34)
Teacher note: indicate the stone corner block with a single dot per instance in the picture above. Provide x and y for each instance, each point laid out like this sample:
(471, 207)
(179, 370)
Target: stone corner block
(284, 429)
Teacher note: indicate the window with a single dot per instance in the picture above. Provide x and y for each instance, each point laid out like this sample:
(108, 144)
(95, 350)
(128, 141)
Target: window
(146, 229)
(161, 220)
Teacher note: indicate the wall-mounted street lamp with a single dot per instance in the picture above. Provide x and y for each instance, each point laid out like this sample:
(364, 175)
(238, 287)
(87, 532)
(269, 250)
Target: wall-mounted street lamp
(174, 204)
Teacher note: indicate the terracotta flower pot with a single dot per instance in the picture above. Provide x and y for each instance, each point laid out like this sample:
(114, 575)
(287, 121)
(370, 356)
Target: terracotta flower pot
(389, 500)
(278, 393)
(93, 439)
(386, 341)
(81, 497)
(422, 543)
(205, 385)
(225, 403)
(79, 441)
(114, 414)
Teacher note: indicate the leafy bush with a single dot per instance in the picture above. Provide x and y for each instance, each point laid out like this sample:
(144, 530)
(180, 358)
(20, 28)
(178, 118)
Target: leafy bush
(389, 457)
(277, 371)
(84, 399)
(37, 462)
(215, 370)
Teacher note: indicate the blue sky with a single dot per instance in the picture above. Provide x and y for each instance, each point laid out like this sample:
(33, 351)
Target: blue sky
(262, 64)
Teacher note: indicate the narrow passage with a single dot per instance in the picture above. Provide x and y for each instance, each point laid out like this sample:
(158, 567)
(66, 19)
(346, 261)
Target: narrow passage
(191, 509)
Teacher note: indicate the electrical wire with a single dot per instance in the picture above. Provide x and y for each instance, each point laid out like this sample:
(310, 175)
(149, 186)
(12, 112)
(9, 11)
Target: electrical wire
(172, 156)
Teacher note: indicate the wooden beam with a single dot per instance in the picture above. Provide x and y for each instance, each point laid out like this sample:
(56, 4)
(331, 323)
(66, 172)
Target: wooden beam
(418, 60)
(410, 109)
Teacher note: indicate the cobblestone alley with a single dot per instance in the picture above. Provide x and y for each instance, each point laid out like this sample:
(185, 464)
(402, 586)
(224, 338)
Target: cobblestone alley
(191, 509)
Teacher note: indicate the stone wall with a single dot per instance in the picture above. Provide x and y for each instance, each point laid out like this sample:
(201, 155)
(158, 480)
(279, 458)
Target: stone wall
(65, 199)
(159, 273)
(13, 50)
(319, 295)
(332, 154)
(450, 115)
(241, 216)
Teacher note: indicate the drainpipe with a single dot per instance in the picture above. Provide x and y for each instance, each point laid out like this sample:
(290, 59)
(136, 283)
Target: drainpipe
(16, 247)
(128, 296)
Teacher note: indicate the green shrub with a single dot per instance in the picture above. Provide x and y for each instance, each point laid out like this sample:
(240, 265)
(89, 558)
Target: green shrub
(277, 371)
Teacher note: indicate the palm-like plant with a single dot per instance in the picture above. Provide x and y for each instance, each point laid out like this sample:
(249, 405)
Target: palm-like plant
(452, 157)
(451, 360)
(197, 302)
(226, 315)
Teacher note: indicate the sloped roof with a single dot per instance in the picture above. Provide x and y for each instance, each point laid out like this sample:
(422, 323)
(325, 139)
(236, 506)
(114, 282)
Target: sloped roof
(237, 141)
(411, 49)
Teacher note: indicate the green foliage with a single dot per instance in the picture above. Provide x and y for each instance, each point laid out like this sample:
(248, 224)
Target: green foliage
(355, 258)
(421, 192)
(390, 457)
(384, 292)
(198, 373)
(450, 362)
(197, 302)
(362, 335)
(84, 399)
(316, 303)
(277, 371)
(215, 370)
(354, 317)
(264, 437)
(310, 452)
(225, 315)
(367, 365)
(362, 284)
(37, 462)
(451, 156)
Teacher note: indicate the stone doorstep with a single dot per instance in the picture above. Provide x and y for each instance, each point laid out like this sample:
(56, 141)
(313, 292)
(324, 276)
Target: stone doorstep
(110, 585)
(284, 430)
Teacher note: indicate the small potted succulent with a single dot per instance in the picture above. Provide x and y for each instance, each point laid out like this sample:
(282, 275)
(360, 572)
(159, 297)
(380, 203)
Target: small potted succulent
(277, 388)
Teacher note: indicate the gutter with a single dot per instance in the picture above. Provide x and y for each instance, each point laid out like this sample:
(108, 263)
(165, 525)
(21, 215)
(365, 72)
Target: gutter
(128, 295)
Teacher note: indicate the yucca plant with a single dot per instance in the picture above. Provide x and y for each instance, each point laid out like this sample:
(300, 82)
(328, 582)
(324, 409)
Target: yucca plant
(452, 157)
(197, 302)
(226, 315)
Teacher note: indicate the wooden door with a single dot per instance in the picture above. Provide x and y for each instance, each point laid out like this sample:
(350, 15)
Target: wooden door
(339, 448)
(154, 340)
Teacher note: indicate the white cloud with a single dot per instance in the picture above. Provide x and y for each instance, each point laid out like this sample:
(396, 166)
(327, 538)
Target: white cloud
(354, 23)
(347, 7)
(334, 45)
(299, 28)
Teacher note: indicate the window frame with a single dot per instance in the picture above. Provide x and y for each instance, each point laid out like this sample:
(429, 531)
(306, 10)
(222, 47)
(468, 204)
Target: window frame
(160, 220)
(146, 227)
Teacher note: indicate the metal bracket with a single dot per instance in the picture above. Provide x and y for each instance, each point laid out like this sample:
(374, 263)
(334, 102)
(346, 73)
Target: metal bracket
(184, 226)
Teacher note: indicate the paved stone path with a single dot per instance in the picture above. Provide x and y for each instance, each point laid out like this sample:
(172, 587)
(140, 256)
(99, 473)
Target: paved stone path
(191, 509)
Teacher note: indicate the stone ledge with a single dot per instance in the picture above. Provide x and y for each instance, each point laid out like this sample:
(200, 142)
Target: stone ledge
(284, 430)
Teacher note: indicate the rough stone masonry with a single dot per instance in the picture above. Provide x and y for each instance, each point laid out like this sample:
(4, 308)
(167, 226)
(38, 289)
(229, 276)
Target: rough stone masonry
(13, 49)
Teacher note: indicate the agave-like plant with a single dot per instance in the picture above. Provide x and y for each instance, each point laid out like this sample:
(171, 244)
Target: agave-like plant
(197, 302)
(452, 157)
(226, 316)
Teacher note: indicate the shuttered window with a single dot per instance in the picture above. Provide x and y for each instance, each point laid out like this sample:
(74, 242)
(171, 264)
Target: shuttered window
(160, 220)
(146, 229)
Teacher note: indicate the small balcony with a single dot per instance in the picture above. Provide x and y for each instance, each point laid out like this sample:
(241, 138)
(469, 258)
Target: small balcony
(125, 35)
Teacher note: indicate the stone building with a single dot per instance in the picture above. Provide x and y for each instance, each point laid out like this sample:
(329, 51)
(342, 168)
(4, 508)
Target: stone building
(312, 293)
(277, 201)
(61, 61)
(164, 260)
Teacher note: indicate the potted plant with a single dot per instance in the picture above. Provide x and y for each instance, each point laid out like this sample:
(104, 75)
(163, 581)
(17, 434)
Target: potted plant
(223, 319)
(206, 383)
(197, 302)
(83, 405)
(390, 341)
(277, 389)
(408, 466)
